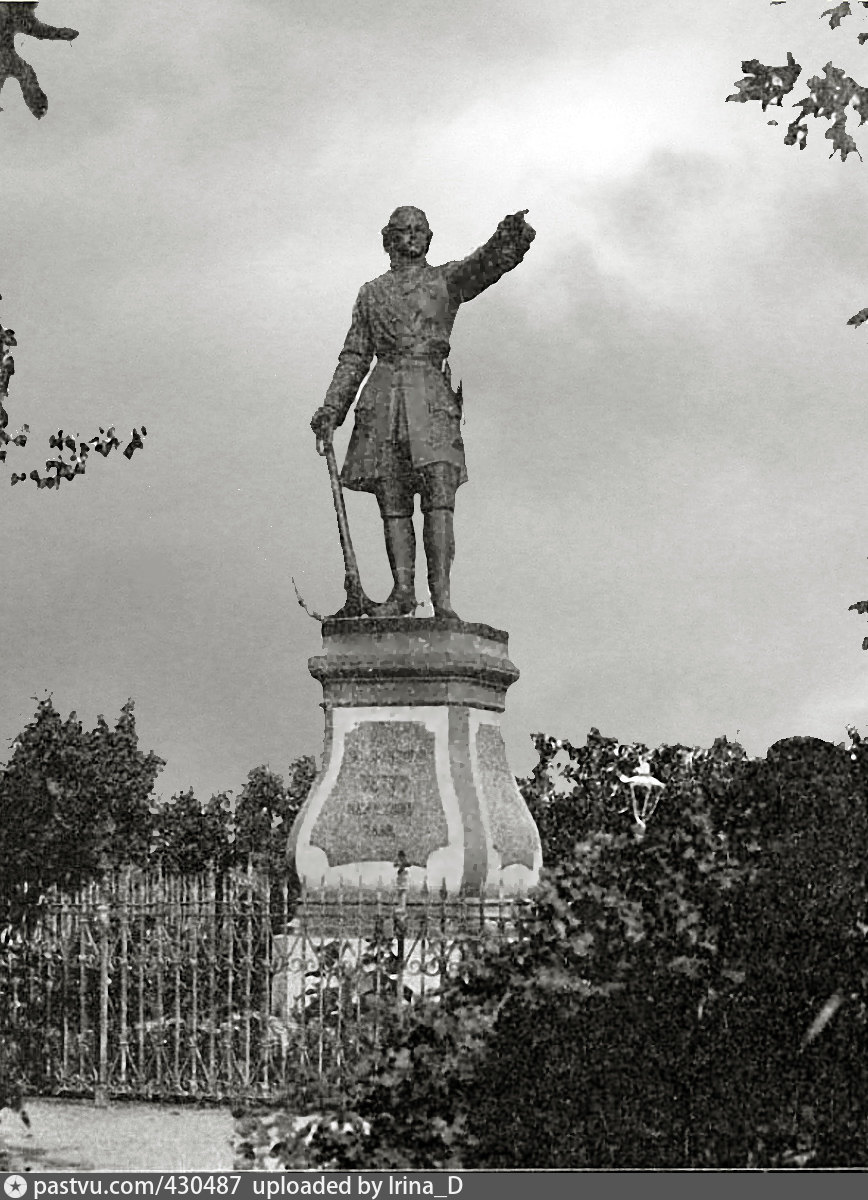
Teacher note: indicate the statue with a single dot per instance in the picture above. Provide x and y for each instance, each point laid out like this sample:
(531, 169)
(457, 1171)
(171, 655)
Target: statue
(407, 434)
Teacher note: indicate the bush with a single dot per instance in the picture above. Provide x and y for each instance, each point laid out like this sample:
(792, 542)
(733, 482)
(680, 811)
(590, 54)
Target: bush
(691, 994)
(72, 804)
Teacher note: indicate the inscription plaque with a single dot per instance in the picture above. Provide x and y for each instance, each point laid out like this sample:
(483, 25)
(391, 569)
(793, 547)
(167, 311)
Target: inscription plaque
(386, 797)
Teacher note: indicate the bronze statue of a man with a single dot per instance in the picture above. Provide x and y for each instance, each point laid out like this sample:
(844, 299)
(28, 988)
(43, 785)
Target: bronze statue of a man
(407, 433)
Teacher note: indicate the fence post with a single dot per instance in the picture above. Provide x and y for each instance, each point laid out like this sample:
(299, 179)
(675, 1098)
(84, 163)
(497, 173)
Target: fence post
(123, 1012)
(101, 1089)
(84, 898)
(228, 929)
(247, 1015)
(400, 921)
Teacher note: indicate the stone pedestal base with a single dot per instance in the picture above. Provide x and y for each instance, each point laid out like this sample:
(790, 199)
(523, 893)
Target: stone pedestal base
(332, 939)
(414, 772)
(302, 970)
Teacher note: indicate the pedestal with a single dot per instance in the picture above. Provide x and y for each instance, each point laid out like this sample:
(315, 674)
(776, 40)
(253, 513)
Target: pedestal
(414, 771)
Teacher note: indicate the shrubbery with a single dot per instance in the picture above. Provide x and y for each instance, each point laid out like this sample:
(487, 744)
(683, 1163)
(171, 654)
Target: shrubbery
(690, 994)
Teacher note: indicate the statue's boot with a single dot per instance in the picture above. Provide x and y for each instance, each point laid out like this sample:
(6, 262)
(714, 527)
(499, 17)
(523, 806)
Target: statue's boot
(440, 550)
(401, 549)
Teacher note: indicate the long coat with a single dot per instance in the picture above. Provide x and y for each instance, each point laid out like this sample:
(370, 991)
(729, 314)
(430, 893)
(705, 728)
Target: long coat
(405, 319)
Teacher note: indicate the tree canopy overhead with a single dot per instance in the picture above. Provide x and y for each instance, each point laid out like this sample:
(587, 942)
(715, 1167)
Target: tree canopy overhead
(21, 18)
(77, 451)
(832, 96)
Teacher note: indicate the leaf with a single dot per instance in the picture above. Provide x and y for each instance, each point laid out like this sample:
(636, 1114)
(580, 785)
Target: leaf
(837, 14)
(841, 140)
(833, 97)
(858, 318)
(135, 444)
(823, 1018)
(104, 443)
(767, 84)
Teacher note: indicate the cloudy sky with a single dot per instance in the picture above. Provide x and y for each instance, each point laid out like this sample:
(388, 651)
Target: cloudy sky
(665, 408)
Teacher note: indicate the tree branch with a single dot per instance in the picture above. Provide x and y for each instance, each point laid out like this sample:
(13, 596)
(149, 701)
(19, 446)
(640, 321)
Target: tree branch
(58, 468)
(18, 18)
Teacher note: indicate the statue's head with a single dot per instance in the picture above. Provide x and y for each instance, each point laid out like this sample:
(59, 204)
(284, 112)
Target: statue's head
(407, 233)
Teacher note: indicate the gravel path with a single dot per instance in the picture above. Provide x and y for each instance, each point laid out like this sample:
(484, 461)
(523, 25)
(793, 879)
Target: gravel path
(73, 1135)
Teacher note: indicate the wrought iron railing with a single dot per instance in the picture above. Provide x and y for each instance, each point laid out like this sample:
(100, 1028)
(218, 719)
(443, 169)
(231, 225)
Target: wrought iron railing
(221, 988)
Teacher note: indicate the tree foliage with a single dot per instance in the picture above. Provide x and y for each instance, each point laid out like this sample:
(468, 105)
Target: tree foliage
(75, 450)
(861, 606)
(691, 997)
(832, 96)
(20, 18)
(72, 452)
(72, 803)
(768, 85)
(226, 833)
(577, 790)
(75, 803)
(189, 837)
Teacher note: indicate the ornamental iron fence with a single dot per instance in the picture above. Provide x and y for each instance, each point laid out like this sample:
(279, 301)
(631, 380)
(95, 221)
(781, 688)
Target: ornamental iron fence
(227, 988)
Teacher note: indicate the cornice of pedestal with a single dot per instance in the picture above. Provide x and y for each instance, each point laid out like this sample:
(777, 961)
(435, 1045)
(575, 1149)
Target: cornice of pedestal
(332, 627)
(413, 661)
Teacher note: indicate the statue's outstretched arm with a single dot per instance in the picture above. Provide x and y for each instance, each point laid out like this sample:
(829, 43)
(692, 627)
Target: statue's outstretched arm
(39, 29)
(503, 251)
